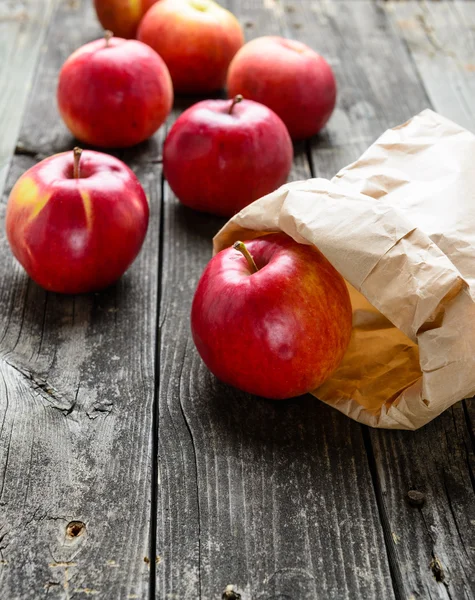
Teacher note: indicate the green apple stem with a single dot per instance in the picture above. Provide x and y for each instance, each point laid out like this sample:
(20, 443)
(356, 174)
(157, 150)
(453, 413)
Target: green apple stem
(77, 157)
(107, 36)
(235, 101)
(247, 255)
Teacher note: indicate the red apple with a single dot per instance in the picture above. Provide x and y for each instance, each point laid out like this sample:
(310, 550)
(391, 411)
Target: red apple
(76, 223)
(114, 93)
(221, 155)
(122, 16)
(271, 317)
(197, 40)
(288, 77)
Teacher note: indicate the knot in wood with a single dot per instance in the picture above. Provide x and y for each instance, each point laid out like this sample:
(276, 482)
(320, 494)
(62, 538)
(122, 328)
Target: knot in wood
(75, 529)
(415, 498)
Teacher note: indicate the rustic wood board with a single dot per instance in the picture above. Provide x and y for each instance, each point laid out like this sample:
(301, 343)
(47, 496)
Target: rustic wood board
(380, 88)
(377, 84)
(23, 26)
(76, 391)
(430, 549)
(274, 498)
(434, 545)
(441, 40)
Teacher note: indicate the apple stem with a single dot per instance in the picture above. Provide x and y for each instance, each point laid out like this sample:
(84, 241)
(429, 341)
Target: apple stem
(77, 157)
(247, 255)
(107, 36)
(235, 101)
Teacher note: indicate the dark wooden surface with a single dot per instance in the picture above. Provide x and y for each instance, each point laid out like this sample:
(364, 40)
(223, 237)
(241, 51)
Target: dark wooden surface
(108, 417)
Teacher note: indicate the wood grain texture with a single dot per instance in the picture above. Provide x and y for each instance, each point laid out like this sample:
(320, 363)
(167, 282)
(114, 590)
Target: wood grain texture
(377, 84)
(274, 498)
(76, 392)
(23, 27)
(441, 40)
(379, 87)
(434, 545)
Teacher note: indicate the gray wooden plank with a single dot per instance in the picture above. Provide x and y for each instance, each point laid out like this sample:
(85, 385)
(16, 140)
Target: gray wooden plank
(22, 31)
(379, 87)
(76, 392)
(441, 534)
(434, 545)
(441, 40)
(273, 498)
(74, 24)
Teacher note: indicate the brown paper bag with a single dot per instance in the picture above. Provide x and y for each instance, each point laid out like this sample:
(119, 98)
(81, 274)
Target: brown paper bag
(399, 225)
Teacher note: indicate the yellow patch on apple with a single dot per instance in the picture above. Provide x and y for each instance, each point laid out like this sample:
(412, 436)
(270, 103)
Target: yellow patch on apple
(86, 201)
(26, 193)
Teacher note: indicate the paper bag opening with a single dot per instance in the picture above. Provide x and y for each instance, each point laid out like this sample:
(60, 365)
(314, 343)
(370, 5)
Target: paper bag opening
(399, 225)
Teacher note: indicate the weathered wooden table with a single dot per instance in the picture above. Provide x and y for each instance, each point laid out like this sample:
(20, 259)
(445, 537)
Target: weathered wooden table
(126, 469)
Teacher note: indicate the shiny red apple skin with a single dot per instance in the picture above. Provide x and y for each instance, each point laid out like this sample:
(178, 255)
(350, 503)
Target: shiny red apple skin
(219, 163)
(114, 94)
(276, 333)
(288, 77)
(122, 17)
(77, 235)
(197, 40)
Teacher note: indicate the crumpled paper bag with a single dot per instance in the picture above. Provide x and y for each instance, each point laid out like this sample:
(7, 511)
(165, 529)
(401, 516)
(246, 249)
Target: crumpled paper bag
(399, 225)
